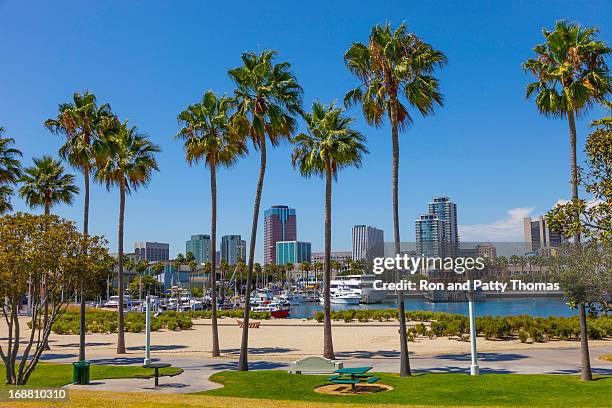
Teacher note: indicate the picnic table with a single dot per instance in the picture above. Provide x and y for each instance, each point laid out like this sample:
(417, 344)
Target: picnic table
(353, 376)
(157, 366)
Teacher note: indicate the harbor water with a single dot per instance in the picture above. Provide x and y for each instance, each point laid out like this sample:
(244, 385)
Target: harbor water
(537, 307)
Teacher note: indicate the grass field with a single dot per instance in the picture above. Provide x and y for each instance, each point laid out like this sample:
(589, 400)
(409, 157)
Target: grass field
(56, 375)
(500, 390)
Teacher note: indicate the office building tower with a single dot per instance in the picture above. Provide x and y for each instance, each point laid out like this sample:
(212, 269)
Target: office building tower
(294, 252)
(486, 251)
(199, 246)
(233, 248)
(368, 243)
(279, 225)
(446, 211)
(152, 251)
(341, 256)
(538, 236)
(429, 236)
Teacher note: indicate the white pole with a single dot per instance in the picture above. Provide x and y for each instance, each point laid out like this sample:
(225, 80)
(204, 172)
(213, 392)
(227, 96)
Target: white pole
(474, 370)
(147, 359)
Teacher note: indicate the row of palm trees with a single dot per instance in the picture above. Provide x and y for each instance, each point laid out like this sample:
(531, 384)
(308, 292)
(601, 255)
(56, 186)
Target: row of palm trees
(395, 70)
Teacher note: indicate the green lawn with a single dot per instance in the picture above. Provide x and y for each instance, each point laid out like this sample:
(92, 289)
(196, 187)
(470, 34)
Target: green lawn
(56, 375)
(427, 389)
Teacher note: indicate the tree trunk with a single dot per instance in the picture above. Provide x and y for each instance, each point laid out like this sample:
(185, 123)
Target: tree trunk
(82, 320)
(213, 258)
(328, 345)
(120, 322)
(404, 357)
(46, 313)
(243, 364)
(586, 373)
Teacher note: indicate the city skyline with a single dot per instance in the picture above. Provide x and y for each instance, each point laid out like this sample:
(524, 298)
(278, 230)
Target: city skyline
(182, 81)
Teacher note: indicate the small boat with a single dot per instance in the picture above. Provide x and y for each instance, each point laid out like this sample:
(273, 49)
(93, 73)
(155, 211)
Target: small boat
(277, 310)
(113, 302)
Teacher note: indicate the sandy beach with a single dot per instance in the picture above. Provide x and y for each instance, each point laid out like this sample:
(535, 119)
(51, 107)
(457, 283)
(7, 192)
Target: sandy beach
(284, 339)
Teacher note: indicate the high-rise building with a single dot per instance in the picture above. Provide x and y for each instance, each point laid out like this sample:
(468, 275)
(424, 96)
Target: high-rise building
(340, 256)
(199, 246)
(429, 230)
(446, 211)
(279, 225)
(233, 248)
(152, 251)
(368, 243)
(538, 236)
(294, 252)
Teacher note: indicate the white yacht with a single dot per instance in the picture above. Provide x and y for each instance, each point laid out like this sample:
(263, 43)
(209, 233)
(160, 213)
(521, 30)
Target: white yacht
(344, 295)
(362, 285)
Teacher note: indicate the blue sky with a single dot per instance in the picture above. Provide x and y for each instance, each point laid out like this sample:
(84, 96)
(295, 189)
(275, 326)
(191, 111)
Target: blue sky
(487, 148)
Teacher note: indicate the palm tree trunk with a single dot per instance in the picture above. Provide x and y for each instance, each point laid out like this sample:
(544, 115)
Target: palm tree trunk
(243, 364)
(120, 323)
(213, 259)
(328, 345)
(82, 321)
(46, 312)
(404, 357)
(586, 373)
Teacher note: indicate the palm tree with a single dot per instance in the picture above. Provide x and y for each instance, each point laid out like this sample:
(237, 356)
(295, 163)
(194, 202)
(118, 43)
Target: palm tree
(329, 146)
(10, 171)
(268, 97)
(82, 122)
(571, 71)
(126, 158)
(141, 267)
(224, 267)
(392, 64)
(44, 185)
(208, 136)
(257, 269)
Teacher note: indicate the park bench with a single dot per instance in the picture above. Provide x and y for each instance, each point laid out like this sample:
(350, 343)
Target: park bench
(252, 325)
(157, 366)
(315, 365)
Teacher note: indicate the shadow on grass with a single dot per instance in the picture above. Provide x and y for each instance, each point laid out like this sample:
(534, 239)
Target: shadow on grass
(255, 365)
(459, 370)
(595, 370)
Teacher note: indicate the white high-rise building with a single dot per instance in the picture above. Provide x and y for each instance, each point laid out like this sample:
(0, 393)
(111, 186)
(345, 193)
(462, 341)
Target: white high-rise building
(368, 243)
(446, 211)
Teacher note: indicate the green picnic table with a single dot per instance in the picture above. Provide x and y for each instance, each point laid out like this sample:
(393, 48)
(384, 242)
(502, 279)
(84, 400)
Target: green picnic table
(353, 376)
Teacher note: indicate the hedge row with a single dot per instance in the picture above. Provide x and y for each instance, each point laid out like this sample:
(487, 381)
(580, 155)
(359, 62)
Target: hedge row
(104, 321)
(236, 314)
(523, 327)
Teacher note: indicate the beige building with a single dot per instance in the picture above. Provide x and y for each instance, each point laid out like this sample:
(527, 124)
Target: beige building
(538, 236)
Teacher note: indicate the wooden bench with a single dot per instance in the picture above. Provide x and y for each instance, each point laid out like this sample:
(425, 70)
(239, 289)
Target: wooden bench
(157, 366)
(252, 325)
(332, 378)
(346, 381)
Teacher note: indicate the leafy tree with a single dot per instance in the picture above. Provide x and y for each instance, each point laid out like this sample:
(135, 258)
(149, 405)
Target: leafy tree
(125, 158)
(572, 75)
(47, 254)
(178, 262)
(146, 284)
(595, 216)
(45, 184)
(330, 145)
(209, 137)
(10, 171)
(268, 97)
(394, 66)
(82, 122)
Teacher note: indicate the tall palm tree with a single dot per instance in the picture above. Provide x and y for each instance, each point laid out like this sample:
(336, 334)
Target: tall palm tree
(81, 121)
(268, 97)
(329, 146)
(395, 67)
(571, 71)
(44, 185)
(10, 170)
(209, 137)
(125, 158)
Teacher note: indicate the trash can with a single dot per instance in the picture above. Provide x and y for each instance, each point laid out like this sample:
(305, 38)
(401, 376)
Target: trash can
(80, 372)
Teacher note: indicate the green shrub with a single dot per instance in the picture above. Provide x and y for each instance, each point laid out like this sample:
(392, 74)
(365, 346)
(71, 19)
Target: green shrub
(523, 335)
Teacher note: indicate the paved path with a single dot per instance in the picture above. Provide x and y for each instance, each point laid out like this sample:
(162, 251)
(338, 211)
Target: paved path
(197, 370)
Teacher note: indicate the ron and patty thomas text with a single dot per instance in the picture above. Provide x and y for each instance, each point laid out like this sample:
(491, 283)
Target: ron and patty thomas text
(459, 265)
